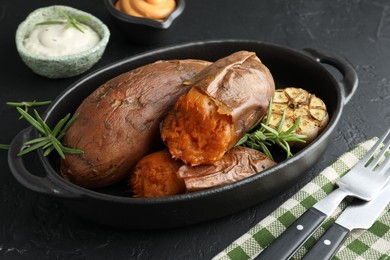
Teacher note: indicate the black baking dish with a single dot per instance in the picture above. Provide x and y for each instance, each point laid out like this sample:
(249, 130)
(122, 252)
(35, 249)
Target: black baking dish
(299, 68)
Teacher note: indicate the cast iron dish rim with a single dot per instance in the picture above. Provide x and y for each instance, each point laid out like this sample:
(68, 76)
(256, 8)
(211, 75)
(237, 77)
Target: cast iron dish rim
(80, 192)
(103, 38)
(163, 24)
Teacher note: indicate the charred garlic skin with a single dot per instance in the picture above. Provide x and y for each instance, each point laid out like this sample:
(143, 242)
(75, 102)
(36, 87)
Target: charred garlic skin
(299, 102)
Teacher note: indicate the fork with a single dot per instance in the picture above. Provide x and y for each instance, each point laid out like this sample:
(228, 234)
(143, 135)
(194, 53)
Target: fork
(364, 181)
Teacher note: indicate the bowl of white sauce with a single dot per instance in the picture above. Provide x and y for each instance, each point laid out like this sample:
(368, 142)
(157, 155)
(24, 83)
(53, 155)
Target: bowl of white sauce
(60, 41)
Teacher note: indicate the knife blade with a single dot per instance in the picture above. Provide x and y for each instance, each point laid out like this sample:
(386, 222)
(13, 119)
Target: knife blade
(358, 215)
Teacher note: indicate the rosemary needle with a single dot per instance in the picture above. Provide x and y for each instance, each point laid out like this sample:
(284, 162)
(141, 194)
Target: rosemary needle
(70, 21)
(27, 104)
(4, 146)
(50, 139)
(266, 136)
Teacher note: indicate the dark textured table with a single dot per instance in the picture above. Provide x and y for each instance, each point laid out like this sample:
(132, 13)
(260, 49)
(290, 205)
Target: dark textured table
(37, 227)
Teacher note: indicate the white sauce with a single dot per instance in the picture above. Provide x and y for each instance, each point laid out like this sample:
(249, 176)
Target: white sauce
(58, 40)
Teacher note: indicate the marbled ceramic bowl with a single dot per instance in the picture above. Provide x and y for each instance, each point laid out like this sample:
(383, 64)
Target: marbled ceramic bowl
(67, 65)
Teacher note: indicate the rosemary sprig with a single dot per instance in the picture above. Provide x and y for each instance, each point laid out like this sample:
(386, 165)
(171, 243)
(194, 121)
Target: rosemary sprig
(50, 139)
(266, 136)
(26, 105)
(70, 21)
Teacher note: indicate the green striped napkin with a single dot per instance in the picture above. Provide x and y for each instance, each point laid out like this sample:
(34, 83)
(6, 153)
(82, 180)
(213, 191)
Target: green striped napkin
(360, 244)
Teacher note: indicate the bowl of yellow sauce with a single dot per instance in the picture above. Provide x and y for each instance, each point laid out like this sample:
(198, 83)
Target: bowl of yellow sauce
(60, 41)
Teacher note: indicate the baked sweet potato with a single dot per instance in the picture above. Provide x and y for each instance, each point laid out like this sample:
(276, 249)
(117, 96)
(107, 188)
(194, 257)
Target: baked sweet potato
(155, 176)
(238, 163)
(118, 123)
(158, 174)
(226, 100)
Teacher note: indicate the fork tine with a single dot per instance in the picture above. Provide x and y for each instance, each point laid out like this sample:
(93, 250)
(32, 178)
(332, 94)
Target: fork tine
(379, 156)
(371, 152)
(384, 165)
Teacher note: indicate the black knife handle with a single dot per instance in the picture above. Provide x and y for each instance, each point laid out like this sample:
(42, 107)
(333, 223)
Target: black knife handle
(329, 243)
(294, 236)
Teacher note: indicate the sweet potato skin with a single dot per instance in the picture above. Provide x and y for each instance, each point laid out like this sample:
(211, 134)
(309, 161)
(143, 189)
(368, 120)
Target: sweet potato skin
(119, 122)
(242, 83)
(237, 164)
(240, 87)
(158, 174)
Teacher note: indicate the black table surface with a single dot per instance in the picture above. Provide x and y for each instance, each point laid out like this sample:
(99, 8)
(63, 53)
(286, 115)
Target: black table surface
(33, 226)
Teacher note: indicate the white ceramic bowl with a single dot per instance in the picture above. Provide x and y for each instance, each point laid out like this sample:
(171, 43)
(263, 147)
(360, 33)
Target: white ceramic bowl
(67, 65)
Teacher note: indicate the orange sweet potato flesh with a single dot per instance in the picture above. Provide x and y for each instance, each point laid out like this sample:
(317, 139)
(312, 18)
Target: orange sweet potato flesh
(155, 176)
(118, 123)
(196, 132)
(226, 100)
(158, 174)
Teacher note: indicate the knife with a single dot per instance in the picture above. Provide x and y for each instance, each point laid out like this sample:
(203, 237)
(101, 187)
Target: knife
(358, 215)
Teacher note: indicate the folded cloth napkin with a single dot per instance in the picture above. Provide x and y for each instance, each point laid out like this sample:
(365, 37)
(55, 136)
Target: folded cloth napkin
(373, 243)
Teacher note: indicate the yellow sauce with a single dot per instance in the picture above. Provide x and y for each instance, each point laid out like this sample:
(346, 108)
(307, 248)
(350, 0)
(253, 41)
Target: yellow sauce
(152, 9)
(58, 40)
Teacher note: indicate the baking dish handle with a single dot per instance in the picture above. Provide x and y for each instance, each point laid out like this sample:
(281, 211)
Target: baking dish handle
(349, 82)
(42, 185)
